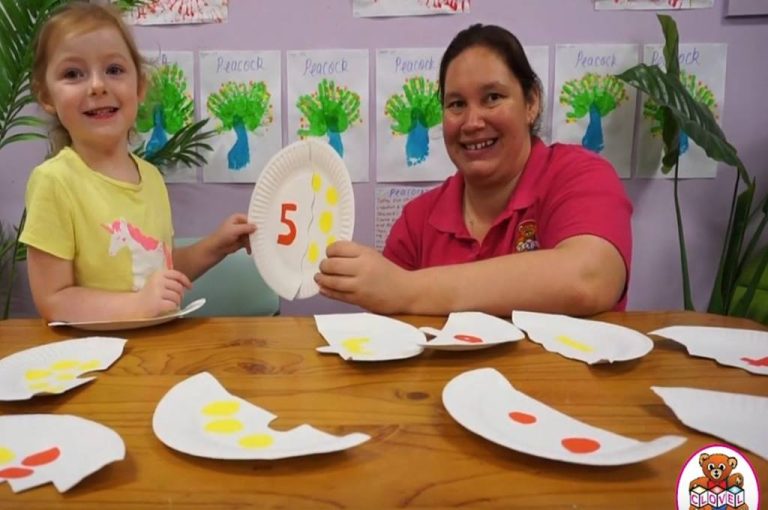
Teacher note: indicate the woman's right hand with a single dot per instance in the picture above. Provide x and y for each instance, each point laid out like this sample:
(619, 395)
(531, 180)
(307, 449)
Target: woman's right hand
(162, 293)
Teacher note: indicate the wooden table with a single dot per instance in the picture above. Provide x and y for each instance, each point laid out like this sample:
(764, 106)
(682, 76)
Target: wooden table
(418, 455)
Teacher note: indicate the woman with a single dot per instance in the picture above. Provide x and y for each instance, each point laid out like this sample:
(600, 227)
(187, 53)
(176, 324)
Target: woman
(519, 226)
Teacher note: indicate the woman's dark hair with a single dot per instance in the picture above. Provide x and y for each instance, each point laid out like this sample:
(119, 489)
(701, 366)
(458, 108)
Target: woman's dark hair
(508, 47)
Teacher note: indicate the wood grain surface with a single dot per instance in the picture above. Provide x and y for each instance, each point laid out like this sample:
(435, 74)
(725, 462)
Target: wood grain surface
(418, 456)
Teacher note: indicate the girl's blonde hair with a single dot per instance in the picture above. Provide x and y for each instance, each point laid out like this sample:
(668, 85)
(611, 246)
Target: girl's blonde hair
(76, 18)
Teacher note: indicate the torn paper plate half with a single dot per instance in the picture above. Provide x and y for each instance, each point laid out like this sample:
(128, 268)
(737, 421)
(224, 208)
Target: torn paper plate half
(368, 337)
(56, 367)
(199, 417)
(736, 418)
(581, 339)
(132, 323)
(486, 403)
(741, 348)
(465, 331)
(39, 448)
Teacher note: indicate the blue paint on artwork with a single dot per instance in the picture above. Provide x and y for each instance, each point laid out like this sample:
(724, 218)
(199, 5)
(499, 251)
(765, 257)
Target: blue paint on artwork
(239, 155)
(417, 144)
(593, 138)
(158, 139)
(683, 144)
(334, 139)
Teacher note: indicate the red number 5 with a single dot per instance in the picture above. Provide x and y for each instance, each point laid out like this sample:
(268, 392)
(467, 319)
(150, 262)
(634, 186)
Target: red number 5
(287, 239)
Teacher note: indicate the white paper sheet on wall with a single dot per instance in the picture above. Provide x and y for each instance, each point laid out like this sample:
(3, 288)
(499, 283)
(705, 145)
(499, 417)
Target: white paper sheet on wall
(390, 201)
(409, 117)
(168, 106)
(538, 57)
(651, 4)
(240, 91)
(328, 98)
(174, 12)
(702, 70)
(591, 106)
(372, 8)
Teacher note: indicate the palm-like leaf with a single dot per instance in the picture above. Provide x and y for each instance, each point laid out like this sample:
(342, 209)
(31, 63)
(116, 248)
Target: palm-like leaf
(186, 147)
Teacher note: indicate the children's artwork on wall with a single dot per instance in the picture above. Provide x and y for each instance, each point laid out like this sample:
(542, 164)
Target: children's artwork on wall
(390, 201)
(173, 12)
(485, 403)
(538, 57)
(168, 106)
(658, 5)
(592, 107)
(199, 417)
(36, 449)
(702, 70)
(409, 116)
(328, 99)
(376, 8)
(240, 91)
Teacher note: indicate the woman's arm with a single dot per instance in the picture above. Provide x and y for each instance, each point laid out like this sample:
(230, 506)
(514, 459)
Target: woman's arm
(57, 298)
(582, 275)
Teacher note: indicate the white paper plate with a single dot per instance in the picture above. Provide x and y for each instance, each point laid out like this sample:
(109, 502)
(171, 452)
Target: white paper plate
(741, 348)
(737, 418)
(486, 403)
(302, 202)
(581, 339)
(199, 417)
(134, 323)
(467, 331)
(368, 337)
(54, 368)
(61, 449)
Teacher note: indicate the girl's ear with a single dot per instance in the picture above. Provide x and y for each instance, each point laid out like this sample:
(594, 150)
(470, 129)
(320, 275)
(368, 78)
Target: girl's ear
(45, 102)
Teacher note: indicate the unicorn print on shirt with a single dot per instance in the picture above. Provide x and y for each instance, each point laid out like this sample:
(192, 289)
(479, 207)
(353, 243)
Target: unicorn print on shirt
(147, 253)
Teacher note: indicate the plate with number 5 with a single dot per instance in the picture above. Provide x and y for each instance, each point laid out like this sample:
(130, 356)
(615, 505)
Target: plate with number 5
(302, 202)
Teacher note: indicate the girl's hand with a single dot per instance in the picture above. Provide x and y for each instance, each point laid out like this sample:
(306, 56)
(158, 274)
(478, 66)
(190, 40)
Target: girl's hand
(232, 235)
(162, 293)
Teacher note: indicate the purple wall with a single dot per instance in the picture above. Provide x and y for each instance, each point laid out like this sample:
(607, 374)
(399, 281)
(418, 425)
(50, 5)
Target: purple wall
(316, 24)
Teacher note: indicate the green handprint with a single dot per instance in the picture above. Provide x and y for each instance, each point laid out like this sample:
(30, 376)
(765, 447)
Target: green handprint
(167, 108)
(330, 111)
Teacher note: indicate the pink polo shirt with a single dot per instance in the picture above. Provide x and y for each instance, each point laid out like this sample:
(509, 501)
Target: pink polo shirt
(564, 191)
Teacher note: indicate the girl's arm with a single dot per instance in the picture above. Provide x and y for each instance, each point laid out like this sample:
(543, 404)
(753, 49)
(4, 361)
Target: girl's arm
(57, 298)
(582, 275)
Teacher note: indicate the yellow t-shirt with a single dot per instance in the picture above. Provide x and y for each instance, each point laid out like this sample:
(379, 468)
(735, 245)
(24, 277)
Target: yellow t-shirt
(115, 233)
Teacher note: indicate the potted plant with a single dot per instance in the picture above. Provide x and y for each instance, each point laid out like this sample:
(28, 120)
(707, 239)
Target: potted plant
(681, 113)
(19, 23)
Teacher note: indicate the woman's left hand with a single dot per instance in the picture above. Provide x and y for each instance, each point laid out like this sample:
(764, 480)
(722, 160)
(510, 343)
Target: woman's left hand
(360, 275)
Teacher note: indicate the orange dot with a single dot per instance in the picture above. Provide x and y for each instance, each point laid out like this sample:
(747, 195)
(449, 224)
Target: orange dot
(15, 472)
(580, 444)
(524, 418)
(41, 458)
(469, 339)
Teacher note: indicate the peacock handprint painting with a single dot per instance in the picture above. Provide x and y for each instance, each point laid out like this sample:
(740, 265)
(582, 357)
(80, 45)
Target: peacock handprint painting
(168, 106)
(328, 99)
(241, 95)
(702, 71)
(591, 107)
(409, 116)
(166, 12)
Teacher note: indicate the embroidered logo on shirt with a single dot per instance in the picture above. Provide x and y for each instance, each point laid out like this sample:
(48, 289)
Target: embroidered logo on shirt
(526, 236)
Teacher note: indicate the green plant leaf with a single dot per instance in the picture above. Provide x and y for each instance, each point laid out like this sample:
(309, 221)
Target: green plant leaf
(671, 45)
(185, 147)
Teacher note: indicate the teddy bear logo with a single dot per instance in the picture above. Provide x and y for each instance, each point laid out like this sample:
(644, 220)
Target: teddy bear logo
(720, 488)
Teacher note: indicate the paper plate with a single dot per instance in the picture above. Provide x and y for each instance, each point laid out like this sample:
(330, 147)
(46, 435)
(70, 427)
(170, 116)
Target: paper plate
(486, 403)
(466, 331)
(55, 367)
(302, 202)
(199, 417)
(736, 418)
(581, 339)
(133, 323)
(61, 449)
(741, 348)
(368, 337)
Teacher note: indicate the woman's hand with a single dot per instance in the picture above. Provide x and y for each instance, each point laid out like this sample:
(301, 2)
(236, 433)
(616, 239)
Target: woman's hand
(360, 275)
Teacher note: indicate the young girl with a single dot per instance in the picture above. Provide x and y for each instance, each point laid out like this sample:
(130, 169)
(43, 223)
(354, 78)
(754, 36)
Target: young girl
(99, 231)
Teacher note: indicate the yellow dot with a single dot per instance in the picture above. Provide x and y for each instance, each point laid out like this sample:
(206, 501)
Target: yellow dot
(313, 253)
(38, 385)
(326, 221)
(221, 408)
(35, 374)
(356, 345)
(65, 377)
(224, 426)
(256, 441)
(6, 455)
(317, 182)
(90, 365)
(65, 364)
(570, 342)
(330, 241)
(332, 196)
